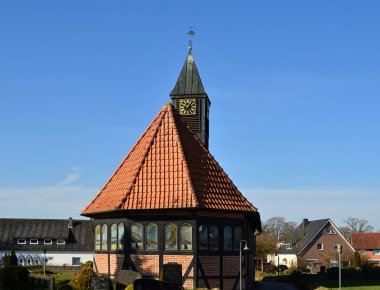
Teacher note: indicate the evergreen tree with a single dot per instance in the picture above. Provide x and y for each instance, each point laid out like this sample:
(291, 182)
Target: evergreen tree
(13, 259)
(357, 262)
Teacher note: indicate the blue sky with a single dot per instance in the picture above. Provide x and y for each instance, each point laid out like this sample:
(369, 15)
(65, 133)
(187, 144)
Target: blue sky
(294, 87)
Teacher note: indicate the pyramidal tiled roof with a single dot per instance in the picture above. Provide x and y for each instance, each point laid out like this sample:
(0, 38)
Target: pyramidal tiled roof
(168, 168)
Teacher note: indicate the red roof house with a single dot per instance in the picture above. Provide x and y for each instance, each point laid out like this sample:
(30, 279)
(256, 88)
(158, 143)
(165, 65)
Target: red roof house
(368, 244)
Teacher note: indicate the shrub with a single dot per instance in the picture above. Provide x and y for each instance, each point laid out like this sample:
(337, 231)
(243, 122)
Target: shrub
(369, 271)
(82, 280)
(295, 275)
(10, 259)
(350, 273)
(14, 278)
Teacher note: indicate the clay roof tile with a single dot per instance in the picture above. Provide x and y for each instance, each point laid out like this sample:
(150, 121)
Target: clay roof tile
(168, 168)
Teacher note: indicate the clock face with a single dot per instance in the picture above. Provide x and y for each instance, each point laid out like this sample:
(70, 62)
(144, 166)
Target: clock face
(187, 107)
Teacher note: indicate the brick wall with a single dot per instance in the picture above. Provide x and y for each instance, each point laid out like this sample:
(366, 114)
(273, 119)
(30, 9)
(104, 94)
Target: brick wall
(231, 265)
(116, 262)
(211, 265)
(147, 264)
(101, 261)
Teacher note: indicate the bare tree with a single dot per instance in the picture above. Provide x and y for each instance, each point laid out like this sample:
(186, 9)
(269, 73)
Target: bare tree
(346, 232)
(354, 225)
(265, 245)
(358, 225)
(279, 229)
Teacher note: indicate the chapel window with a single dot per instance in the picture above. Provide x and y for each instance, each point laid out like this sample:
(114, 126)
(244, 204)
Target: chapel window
(97, 238)
(137, 236)
(120, 236)
(214, 238)
(238, 236)
(151, 241)
(203, 237)
(170, 237)
(104, 238)
(114, 237)
(227, 238)
(186, 237)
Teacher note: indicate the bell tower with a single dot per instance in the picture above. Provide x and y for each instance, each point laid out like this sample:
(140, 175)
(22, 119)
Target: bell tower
(190, 99)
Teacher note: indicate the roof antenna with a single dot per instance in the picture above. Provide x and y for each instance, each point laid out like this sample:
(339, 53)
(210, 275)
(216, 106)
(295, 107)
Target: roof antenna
(190, 33)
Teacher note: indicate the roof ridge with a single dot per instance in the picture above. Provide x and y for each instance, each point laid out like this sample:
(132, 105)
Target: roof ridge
(184, 157)
(144, 156)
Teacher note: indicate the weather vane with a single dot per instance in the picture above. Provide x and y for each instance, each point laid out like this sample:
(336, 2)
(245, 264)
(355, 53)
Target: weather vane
(190, 33)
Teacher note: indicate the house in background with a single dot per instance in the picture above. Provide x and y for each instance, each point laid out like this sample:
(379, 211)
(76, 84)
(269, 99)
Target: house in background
(368, 245)
(315, 245)
(67, 242)
(285, 255)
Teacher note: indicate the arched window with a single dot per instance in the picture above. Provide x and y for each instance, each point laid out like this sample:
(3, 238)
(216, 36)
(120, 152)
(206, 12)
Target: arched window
(203, 237)
(227, 238)
(137, 236)
(186, 237)
(238, 235)
(151, 242)
(214, 238)
(104, 238)
(114, 237)
(170, 237)
(97, 238)
(120, 236)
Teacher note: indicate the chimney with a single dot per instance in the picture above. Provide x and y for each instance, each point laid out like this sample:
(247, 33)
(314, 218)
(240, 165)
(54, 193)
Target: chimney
(305, 223)
(70, 225)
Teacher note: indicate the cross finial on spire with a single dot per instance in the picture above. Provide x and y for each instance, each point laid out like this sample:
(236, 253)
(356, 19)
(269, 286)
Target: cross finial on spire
(190, 33)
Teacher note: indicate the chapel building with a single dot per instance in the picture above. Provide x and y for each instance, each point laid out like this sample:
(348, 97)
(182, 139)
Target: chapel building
(169, 201)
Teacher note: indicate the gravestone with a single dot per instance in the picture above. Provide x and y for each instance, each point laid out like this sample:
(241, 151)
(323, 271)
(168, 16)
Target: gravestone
(126, 277)
(100, 283)
(151, 284)
(172, 272)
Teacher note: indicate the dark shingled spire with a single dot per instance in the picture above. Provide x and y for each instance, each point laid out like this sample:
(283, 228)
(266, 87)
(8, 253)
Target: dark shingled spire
(189, 81)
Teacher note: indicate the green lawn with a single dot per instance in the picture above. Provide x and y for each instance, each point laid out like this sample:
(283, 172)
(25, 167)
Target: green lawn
(357, 284)
(61, 278)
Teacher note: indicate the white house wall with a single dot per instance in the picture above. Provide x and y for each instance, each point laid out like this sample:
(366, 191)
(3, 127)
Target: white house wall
(52, 258)
(289, 260)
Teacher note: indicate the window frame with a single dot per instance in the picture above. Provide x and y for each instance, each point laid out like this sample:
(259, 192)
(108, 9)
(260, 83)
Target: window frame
(216, 240)
(46, 241)
(76, 264)
(21, 241)
(181, 227)
(114, 239)
(98, 247)
(145, 238)
(230, 237)
(104, 242)
(320, 246)
(175, 235)
(61, 242)
(33, 241)
(120, 239)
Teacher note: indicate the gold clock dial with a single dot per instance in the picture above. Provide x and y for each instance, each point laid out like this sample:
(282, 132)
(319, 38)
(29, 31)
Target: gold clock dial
(187, 107)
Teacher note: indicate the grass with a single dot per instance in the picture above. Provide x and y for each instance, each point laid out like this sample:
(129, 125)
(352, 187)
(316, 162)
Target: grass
(316, 282)
(356, 284)
(61, 278)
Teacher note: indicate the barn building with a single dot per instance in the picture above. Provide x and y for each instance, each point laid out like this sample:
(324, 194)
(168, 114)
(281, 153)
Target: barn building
(169, 201)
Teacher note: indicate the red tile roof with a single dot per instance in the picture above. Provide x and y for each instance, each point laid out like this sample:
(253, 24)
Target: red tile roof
(168, 168)
(363, 241)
